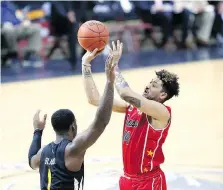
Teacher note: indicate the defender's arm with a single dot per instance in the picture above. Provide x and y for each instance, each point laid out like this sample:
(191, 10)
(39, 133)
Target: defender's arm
(152, 108)
(35, 161)
(35, 150)
(92, 93)
(87, 138)
(35, 147)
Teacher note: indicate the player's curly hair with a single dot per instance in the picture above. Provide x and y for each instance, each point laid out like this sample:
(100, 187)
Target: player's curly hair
(170, 83)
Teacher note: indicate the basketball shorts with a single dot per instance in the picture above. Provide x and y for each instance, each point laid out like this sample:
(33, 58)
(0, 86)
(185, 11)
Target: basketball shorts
(150, 182)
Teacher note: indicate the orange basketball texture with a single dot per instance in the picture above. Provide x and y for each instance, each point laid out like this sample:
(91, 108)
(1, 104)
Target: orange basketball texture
(93, 34)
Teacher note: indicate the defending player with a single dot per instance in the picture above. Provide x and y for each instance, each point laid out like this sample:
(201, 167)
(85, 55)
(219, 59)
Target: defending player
(146, 124)
(61, 162)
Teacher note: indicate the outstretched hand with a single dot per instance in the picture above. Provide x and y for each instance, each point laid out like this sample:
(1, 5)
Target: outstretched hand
(89, 56)
(116, 51)
(37, 123)
(110, 68)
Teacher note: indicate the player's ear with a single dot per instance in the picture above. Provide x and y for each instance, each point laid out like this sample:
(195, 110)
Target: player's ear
(71, 127)
(163, 95)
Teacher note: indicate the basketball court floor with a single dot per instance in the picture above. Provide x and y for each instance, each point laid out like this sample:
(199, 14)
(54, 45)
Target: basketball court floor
(193, 149)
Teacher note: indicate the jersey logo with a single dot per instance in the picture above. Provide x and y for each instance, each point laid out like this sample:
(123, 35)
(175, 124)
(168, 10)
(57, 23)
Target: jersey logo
(126, 137)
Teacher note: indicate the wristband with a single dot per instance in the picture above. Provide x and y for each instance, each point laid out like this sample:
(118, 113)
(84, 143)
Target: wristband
(38, 131)
(35, 145)
(86, 64)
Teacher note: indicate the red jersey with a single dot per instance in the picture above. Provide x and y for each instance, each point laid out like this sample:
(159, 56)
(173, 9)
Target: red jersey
(142, 144)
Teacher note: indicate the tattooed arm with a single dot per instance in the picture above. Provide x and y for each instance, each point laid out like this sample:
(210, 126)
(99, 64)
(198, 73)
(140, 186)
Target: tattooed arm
(91, 90)
(152, 108)
(87, 138)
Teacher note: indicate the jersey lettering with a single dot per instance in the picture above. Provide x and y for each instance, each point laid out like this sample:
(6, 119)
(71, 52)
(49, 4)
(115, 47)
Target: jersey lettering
(141, 144)
(139, 112)
(131, 123)
(53, 170)
(49, 162)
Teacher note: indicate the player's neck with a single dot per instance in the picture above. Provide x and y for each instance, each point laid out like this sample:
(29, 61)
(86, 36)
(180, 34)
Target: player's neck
(59, 138)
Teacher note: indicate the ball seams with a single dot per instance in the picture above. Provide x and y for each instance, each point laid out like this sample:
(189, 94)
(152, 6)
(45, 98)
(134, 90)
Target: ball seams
(95, 42)
(86, 26)
(93, 37)
(98, 30)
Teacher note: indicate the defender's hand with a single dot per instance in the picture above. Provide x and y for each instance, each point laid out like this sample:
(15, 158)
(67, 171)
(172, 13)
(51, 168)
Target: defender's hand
(116, 51)
(89, 56)
(37, 123)
(110, 68)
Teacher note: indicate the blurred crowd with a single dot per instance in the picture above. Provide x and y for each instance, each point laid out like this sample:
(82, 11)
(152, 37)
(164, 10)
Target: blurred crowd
(199, 19)
(199, 23)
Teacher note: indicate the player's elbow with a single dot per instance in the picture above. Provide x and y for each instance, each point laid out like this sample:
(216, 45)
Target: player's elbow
(34, 167)
(122, 95)
(33, 164)
(102, 122)
(93, 102)
(166, 116)
(119, 109)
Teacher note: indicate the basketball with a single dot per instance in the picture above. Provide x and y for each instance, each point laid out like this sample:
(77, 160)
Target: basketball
(93, 34)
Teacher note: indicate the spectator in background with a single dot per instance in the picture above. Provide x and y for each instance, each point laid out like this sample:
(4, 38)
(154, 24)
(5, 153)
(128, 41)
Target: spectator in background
(217, 30)
(15, 27)
(65, 19)
(167, 15)
(86, 7)
(204, 19)
(182, 17)
(159, 13)
(63, 22)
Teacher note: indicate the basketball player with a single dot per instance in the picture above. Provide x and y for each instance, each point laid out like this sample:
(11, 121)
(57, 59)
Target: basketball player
(61, 163)
(146, 124)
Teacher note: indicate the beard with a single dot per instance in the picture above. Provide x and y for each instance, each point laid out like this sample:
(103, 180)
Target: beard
(148, 96)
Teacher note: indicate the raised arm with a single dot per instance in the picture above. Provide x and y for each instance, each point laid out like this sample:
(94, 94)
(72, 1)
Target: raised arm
(91, 90)
(35, 147)
(87, 138)
(152, 108)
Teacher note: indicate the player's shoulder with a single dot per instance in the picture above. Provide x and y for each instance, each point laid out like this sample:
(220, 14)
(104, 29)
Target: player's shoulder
(64, 145)
(46, 147)
(168, 108)
(130, 107)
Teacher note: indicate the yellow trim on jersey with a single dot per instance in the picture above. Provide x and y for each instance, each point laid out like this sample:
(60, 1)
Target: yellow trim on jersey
(49, 179)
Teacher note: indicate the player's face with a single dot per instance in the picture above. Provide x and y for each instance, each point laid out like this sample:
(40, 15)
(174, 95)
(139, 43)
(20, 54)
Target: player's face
(153, 90)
